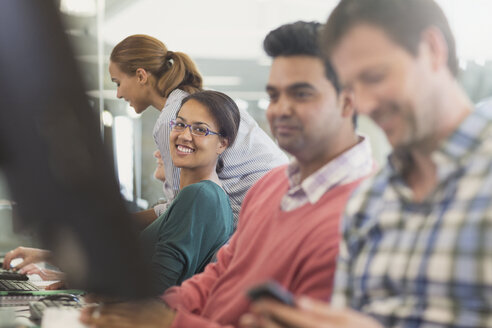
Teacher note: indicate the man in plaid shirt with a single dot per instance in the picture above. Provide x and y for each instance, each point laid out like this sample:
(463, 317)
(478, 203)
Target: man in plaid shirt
(416, 248)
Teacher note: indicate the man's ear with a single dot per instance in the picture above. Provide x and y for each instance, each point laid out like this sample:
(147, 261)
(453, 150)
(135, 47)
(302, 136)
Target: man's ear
(347, 103)
(434, 43)
(223, 144)
(142, 75)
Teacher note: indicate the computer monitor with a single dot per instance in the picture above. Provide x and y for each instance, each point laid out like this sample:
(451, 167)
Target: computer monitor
(55, 164)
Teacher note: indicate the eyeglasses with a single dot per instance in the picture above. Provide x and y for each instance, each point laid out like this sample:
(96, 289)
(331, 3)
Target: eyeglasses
(199, 130)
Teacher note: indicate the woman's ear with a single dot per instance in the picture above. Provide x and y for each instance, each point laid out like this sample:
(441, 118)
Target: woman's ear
(142, 75)
(223, 144)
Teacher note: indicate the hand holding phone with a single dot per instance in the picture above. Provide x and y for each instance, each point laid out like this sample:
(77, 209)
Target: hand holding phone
(272, 290)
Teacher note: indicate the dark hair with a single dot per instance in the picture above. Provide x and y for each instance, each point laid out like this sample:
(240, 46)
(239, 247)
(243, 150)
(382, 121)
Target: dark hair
(403, 21)
(172, 70)
(299, 38)
(225, 112)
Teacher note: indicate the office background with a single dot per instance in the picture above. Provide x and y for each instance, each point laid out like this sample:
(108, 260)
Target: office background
(224, 37)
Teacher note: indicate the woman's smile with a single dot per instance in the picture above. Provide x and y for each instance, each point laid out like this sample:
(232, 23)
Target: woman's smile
(184, 149)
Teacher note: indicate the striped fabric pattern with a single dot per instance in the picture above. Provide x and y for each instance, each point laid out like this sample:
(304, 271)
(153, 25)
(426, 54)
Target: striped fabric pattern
(252, 155)
(425, 264)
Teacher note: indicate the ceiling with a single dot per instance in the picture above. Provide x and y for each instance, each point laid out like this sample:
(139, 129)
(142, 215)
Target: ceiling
(225, 37)
(212, 28)
(235, 28)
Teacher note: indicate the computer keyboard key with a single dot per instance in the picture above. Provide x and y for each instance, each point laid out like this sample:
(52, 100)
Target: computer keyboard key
(13, 285)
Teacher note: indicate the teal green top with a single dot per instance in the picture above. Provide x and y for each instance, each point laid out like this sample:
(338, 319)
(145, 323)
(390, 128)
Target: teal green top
(185, 238)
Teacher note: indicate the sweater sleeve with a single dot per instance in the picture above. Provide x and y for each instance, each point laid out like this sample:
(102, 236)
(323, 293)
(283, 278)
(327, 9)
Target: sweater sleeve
(181, 236)
(190, 298)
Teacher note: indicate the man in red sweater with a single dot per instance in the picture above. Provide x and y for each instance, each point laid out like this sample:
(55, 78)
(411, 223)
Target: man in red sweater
(289, 221)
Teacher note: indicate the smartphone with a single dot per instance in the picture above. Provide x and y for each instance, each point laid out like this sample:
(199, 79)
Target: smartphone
(272, 290)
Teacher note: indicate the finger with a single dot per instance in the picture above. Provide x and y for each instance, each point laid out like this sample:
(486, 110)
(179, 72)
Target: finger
(53, 275)
(315, 306)
(28, 267)
(6, 261)
(252, 321)
(323, 311)
(249, 320)
(33, 271)
(45, 274)
(9, 257)
(289, 316)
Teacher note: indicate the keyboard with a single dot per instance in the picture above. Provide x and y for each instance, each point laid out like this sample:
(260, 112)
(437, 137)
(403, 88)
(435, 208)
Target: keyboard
(57, 300)
(12, 275)
(16, 285)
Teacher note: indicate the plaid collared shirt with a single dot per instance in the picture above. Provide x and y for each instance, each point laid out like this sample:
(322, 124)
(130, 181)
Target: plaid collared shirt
(426, 264)
(351, 165)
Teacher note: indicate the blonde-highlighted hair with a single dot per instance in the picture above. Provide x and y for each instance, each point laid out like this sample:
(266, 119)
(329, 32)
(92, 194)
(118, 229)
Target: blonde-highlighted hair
(172, 70)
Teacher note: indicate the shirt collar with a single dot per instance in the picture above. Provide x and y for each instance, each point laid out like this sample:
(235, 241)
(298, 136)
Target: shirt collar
(353, 164)
(457, 148)
(176, 96)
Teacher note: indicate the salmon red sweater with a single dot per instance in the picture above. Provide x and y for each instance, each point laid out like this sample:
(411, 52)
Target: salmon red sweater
(297, 248)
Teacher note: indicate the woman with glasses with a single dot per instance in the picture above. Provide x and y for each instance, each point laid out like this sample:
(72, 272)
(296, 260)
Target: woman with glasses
(183, 240)
(148, 74)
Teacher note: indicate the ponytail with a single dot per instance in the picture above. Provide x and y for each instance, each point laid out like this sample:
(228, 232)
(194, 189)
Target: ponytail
(172, 70)
(179, 72)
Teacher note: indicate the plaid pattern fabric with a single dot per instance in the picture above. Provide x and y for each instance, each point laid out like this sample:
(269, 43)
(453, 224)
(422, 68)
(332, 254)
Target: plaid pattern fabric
(425, 264)
(351, 165)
